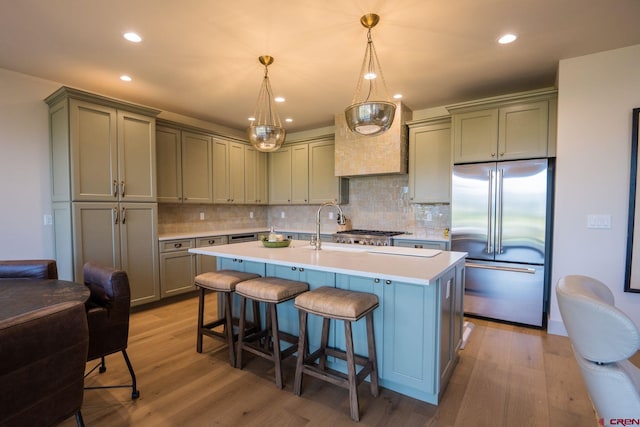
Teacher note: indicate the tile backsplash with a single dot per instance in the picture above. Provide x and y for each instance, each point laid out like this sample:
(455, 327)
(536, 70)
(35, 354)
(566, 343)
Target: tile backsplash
(375, 202)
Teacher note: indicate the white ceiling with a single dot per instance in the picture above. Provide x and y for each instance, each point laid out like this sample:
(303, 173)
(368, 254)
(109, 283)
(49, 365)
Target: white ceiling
(199, 58)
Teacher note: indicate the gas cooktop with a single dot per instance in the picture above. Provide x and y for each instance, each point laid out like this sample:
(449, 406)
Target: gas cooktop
(366, 237)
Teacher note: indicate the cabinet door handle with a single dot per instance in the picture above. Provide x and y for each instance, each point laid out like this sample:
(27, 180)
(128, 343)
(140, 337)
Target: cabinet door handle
(115, 188)
(301, 269)
(376, 280)
(501, 154)
(124, 215)
(293, 268)
(116, 215)
(387, 282)
(122, 188)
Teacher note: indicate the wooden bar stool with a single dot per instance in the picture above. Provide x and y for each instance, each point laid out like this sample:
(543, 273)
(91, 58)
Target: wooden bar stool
(272, 291)
(223, 281)
(348, 306)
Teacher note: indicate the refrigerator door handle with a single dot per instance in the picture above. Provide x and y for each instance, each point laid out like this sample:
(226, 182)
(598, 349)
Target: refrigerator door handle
(490, 211)
(499, 193)
(493, 267)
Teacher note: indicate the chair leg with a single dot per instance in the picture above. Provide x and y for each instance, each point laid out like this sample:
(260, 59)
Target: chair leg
(277, 357)
(79, 420)
(135, 393)
(103, 366)
(371, 344)
(200, 319)
(351, 369)
(243, 319)
(324, 341)
(229, 328)
(302, 352)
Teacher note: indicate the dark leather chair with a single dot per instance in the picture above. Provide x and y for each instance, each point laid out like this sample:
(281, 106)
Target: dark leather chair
(29, 269)
(43, 355)
(108, 311)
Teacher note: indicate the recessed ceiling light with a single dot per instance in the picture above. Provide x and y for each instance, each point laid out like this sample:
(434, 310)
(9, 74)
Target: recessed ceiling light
(507, 38)
(288, 120)
(252, 119)
(125, 78)
(279, 99)
(397, 96)
(132, 37)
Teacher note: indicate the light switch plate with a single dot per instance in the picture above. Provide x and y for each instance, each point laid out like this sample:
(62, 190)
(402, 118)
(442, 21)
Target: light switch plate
(598, 221)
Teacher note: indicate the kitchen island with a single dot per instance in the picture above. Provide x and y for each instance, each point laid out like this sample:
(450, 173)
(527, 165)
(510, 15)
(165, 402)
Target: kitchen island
(418, 324)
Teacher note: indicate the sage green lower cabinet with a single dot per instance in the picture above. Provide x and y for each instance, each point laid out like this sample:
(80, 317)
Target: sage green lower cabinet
(421, 244)
(119, 235)
(206, 263)
(177, 267)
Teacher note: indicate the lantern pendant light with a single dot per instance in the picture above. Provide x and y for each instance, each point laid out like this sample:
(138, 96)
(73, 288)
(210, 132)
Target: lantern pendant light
(370, 113)
(266, 132)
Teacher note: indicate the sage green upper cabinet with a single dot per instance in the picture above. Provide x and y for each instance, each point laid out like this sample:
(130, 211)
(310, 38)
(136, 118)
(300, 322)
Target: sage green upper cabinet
(475, 136)
(512, 127)
(280, 176)
(228, 172)
(105, 153)
(256, 177)
(304, 173)
(169, 164)
(197, 168)
(300, 174)
(430, 162)
(324, 186)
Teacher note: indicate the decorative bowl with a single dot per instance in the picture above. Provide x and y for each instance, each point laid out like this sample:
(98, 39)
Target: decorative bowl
(280, 244)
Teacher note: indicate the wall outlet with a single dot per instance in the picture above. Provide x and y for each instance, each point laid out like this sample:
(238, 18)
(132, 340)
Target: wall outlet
(48, 219)
(330, 215)
(429, 216)
(251, 215)
(282, 214)
(201, 216)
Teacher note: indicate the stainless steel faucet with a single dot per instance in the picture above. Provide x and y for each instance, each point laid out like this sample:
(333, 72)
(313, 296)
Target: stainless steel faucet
(341, 221)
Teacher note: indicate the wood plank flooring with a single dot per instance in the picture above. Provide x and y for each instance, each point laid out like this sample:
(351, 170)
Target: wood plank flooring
(506, 376)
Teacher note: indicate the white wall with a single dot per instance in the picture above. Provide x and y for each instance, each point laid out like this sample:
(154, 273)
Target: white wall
(24, 167)
(596, 94)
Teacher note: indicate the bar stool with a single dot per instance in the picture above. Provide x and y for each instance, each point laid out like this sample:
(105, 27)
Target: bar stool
(223, 281)
(272, 291)
(349, 306)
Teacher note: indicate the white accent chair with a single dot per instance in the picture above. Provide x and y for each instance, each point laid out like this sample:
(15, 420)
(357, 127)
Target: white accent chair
(603, 338)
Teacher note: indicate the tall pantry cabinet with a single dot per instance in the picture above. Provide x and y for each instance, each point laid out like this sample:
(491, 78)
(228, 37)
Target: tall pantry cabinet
(104, 187)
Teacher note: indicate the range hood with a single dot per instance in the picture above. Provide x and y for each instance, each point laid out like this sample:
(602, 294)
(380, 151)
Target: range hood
(383, 154)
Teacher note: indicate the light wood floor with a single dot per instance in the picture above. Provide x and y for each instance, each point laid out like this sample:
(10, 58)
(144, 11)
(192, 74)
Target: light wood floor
(506, 376)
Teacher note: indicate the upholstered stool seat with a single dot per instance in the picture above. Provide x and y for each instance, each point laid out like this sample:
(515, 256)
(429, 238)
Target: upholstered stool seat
(348, 306)
(223, 281)
(266, 342)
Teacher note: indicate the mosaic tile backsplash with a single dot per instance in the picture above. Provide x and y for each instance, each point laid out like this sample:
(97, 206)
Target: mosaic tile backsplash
(375, 202)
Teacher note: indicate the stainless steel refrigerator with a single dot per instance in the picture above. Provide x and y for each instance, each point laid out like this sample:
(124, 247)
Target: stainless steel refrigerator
(501, 216)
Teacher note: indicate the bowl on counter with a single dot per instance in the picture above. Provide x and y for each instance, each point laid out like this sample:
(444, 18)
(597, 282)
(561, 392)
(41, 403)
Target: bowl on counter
(275, 244)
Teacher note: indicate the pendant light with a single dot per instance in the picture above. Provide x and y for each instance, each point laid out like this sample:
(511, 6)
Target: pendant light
(266, 132)
(370, 112)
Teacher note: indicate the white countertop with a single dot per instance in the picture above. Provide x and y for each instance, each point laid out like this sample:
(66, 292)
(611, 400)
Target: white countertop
(418, 266)
(229, 231)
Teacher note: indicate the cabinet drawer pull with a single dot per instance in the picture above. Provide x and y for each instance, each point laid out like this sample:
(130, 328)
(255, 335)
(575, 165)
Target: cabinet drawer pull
(376, 280)
(211, 242)
(301, 269)
(177, 245)
(293, 268)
